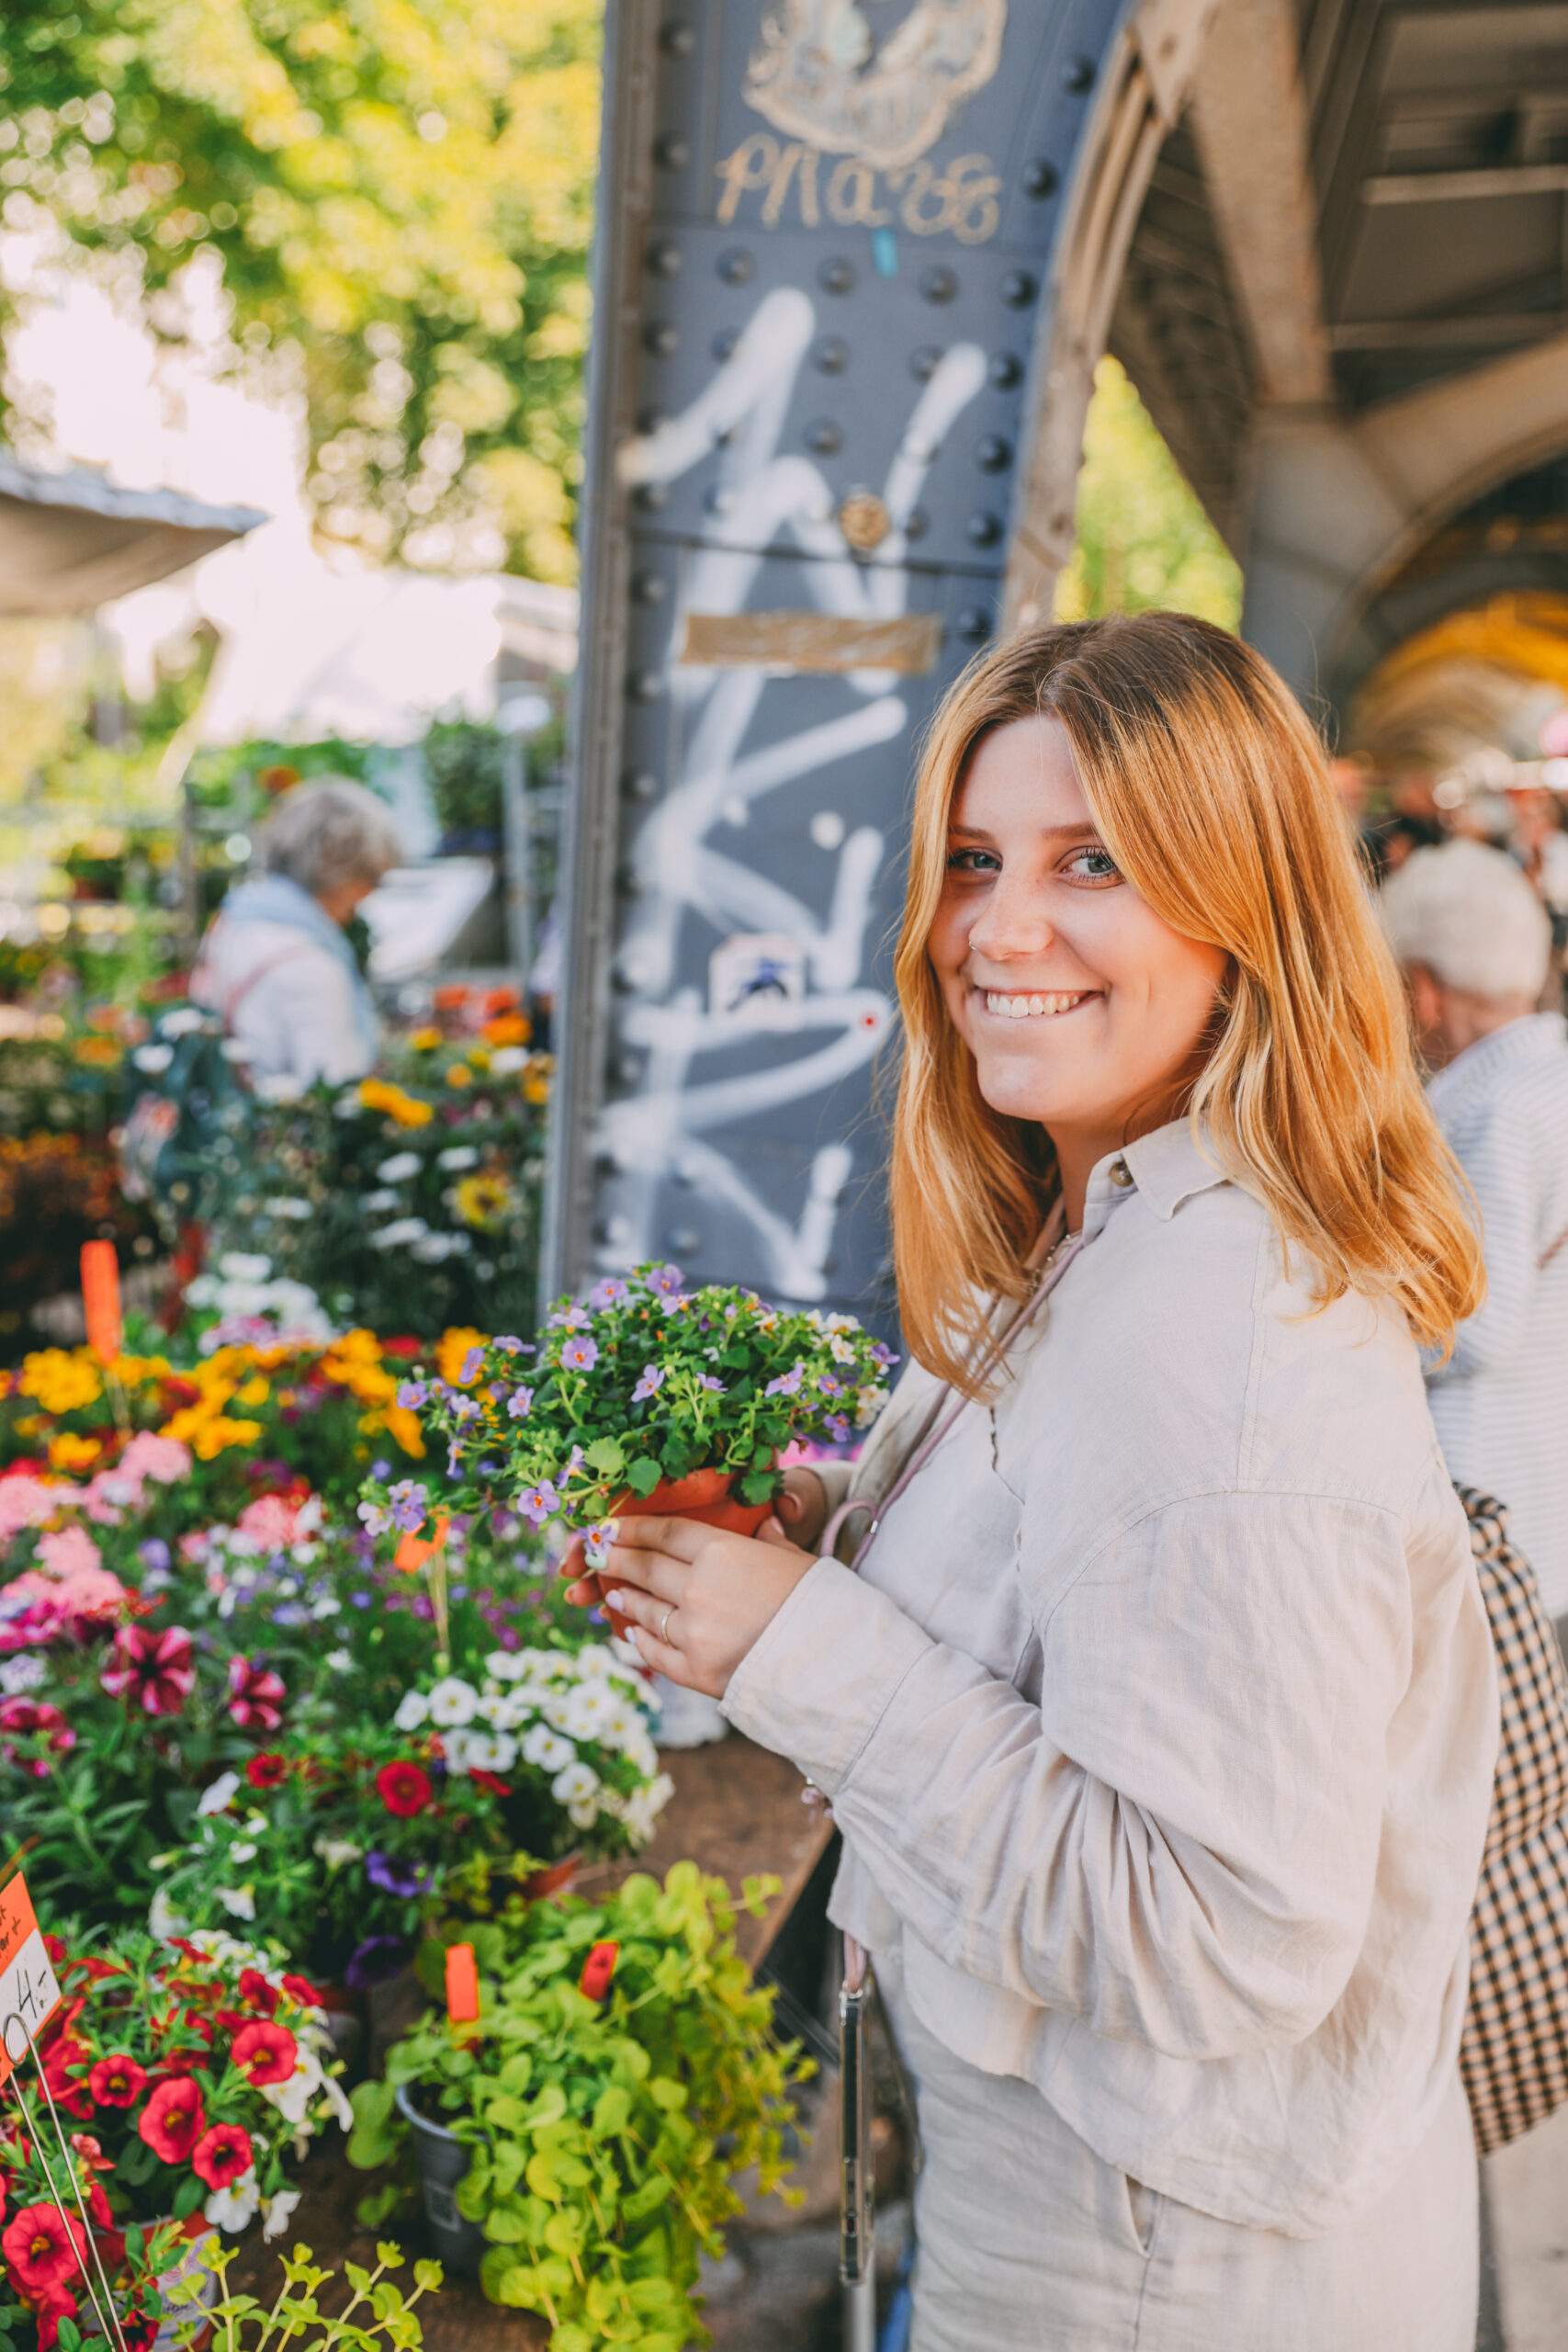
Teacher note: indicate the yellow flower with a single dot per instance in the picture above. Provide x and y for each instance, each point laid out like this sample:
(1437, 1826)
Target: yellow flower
(480, 1056)
(537, 1078)
(96, 1053)
(254, 1392)
(425, 1041)
(459, 1075)
(404, 1426)
(68, 1452)
(375, 1095)
(484, 1201)
(62, 1382)
(454, 1347)
(221, 1433)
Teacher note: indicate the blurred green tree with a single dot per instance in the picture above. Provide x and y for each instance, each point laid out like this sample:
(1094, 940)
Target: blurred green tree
(1143, 539)
(400, 193)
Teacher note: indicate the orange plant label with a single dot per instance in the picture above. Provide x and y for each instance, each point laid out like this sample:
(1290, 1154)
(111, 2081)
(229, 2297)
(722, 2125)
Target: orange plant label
(462, 1984)
(30, 1993)
(597, 1971)
(413, 1550)
(100, 1297)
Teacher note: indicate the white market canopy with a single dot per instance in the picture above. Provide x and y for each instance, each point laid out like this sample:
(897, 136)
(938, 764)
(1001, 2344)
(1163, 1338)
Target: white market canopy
(70, 540)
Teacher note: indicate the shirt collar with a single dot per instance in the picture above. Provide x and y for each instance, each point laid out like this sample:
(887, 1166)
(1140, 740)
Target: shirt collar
(1167, 1167)
(1533, 1035)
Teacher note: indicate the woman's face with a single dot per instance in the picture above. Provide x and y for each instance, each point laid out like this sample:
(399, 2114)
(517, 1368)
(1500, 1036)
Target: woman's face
(1083, 1010)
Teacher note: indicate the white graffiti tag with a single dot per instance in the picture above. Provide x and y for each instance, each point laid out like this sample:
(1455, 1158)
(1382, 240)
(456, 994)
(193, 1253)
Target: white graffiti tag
(758, 499)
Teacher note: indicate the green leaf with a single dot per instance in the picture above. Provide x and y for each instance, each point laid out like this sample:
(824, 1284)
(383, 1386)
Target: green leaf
(188, 2196)
(428, 2275)
(643, 1475)
(604, 1454)
(647, 2199)
(758, 1486)
(612, 2111)
(669, 2095)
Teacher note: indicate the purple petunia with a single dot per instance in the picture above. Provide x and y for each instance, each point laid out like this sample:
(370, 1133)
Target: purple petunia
(580, 1355)
(609, 1292)
(520, 1402)
(412, 1394)
(649, 1384)
(706, 1380)
(540, 1503)
(382, 1871)
(837, 1429)
(407, 1503)
(374, 1960)
(788, 1382)
(472, 1364)
(664, 1281)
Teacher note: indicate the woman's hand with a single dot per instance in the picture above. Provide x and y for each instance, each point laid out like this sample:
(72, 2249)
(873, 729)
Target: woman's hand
(697, 1597)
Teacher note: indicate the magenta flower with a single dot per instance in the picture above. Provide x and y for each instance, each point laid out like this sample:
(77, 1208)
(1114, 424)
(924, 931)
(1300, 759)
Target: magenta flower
(149, 1671)
(652, 1380)
(540, 1503)
(255, 1695)
(579, 1355)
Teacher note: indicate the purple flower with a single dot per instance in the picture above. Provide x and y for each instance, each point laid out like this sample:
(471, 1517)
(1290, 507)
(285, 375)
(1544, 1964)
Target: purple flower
(472, 1364)
(465, 1409)
(569, 1318)
(412, 1394)
(706, 1380)
(579, 1355)
(663, 1281)
(407, 1503)
(649, 1386)
(522, 1401)
(153, 1554)
(513, 1346)
(830, 1385)
(382, 1871)
(359, 1600)
(883, 1357)
(376, 1958)
(455, 1458)
(608, 1292)
(788, 1382)
(837, 1429)
(540, 1503)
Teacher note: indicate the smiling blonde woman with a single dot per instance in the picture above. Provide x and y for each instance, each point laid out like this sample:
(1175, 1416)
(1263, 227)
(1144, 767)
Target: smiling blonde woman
(1160, 1720)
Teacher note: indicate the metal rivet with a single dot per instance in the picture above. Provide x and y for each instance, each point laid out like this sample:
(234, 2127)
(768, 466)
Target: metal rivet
(677, 39)
(724, 343)
(684, 1242)
(639, 784)
(628, 1069)
(924, 362)
(652, 496)
(1017, 289)
(823, 438)
(665, 258)
(831, 354)
(975, 623)
(647, 589)
(737, 267)
(984, 530)
(650, 419)
(606, 1164)
(1041, 177)
(1077, 75)
(993, 455)
(837, 276)
(628, 882)
(917, 523)
(1121, 1174)
(939, 285)
(660, 338)
(718, 499)
(1005, 370)
(645, 686)
(670, 152)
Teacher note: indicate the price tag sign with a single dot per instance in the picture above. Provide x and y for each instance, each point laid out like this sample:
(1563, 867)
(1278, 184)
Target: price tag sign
(30, 1993)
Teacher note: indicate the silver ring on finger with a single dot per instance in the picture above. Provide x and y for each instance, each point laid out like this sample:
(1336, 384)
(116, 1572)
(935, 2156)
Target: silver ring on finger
(664, 1625)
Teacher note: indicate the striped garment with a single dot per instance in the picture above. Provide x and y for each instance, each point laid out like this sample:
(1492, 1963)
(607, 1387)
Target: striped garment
(1501, 1402)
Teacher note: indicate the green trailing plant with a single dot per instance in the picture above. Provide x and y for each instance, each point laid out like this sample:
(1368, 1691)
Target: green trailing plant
(379, 2314)
(607, 2121)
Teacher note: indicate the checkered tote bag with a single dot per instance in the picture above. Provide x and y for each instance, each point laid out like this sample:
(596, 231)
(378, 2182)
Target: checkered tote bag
(1514, 2055)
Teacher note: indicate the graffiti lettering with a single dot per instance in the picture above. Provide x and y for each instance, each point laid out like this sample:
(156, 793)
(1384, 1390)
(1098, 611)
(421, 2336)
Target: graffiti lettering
(962, 202)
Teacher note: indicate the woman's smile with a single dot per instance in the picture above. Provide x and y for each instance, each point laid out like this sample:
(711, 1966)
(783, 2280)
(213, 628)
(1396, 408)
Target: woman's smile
(1047, 1005)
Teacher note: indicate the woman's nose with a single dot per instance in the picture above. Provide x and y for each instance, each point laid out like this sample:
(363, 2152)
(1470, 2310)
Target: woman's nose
(1012, 923)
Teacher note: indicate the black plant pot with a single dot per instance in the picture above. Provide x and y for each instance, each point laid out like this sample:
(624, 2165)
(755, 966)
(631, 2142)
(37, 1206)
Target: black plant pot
(441, 2159)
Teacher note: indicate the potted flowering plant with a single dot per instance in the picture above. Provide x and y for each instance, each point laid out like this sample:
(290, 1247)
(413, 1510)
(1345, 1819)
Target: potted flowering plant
(191, 2073)
(682, 1399)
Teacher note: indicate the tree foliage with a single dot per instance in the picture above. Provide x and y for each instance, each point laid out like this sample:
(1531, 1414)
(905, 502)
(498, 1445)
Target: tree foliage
(1143, 539)
(399, 192)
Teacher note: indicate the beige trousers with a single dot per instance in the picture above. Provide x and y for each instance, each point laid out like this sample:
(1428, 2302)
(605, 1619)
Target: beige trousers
(1028, 2241)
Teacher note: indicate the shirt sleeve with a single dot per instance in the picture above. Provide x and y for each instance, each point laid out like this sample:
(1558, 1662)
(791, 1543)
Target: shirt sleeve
(1500, 1165)
(1179, 1845)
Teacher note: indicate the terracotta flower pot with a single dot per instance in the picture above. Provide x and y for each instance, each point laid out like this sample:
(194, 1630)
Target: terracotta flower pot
(704, 1496)
(558, 1880)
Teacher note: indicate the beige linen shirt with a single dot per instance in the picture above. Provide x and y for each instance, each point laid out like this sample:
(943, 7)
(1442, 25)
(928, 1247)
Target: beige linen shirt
(1160, 1725)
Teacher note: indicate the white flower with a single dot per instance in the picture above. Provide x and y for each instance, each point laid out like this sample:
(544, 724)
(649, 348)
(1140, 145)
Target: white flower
(545, 1750)
(162, 1920)
(399, 1235)
(493, 1751)
(340, 1660)
(583, 1813)
(869, 1403)
(400, 1168)
(500, 1710)
(454, 1748)
(291, 2098)
(329, 1605)
(588, 1708)
(337, 1852)
(461, 1154)
(506, 1666)
(333, 2092)
(841, 1349)
(183, 1023)
(452, 1702)
(575, 1783)
(644, 1806)
(597, 1657)
(280, 2210)
(153, 1059)
(234, 2208)
(374, 1202)
(277, 1086)
(240, 1902)
(243, 1266)
(413, 1709)
(556, 1708)
(242, 1854)
(507, 1060)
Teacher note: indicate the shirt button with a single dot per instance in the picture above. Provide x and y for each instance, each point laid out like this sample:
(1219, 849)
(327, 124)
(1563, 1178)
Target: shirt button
(1121, 1174)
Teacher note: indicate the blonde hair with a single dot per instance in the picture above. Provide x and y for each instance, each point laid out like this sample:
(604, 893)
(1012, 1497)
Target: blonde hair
(1211, 791)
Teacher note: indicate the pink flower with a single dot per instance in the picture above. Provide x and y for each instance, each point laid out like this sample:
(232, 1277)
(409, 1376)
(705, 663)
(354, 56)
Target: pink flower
(69, 1552)
(20, 1717)
(28, 1502)
(273, 1519)
(94, 1593)
(152, 1671)
(255, 1695)
(162, 1459)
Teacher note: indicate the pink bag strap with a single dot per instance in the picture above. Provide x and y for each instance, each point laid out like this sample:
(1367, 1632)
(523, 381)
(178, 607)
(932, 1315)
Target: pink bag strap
(939, 1423)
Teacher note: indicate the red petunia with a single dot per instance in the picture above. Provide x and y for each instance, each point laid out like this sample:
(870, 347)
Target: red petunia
(43, 2248)
(173, 2119)
(116, 2081)
(403, 1789)
(255, 1695)
(491, 1783)
(91, 2151)
(267, 1771)
(49, 2311)
(300, 1989)
(255, 1990)
(265, 2053)
(221, 2154)
(69, 2090)
(150, 1671)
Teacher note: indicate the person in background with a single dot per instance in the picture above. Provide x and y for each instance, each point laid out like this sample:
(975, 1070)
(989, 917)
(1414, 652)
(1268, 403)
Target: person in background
(1475, 943)
(276, 963)
(1538, 846)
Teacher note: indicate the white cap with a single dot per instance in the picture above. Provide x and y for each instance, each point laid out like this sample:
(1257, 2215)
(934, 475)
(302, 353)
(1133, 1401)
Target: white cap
(1470, 915)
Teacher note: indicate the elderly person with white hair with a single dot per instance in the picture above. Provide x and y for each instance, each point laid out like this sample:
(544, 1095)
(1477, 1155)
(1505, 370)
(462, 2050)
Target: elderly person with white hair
(1475, 943)
(276, 963)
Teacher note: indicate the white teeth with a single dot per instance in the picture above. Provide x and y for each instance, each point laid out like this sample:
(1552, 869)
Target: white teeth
(1030, 1008)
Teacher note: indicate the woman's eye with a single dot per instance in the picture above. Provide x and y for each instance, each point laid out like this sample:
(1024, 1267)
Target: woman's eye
(1093, 864)
(972, 861)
